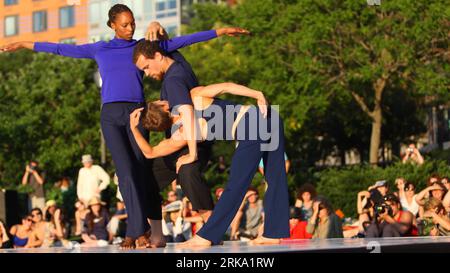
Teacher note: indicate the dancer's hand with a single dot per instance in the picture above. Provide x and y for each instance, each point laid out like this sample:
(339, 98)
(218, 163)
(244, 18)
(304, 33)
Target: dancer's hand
(11, 47)
(156, 32)
(185, 159)
(232, 31)
(135, 117)
(262, 104)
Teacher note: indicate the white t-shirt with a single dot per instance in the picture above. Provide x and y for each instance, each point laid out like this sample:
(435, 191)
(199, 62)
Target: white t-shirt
(89, 180)
(413, 207)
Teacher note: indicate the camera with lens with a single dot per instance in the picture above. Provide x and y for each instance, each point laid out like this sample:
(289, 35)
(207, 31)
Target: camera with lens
(32, 167)
(383, 208)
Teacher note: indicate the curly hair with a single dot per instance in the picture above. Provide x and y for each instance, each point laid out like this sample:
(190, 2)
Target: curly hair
(307, 187)
(154, 118)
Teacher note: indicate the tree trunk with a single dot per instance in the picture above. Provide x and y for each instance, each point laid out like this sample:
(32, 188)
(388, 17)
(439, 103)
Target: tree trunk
(377, 120)
(375, 137)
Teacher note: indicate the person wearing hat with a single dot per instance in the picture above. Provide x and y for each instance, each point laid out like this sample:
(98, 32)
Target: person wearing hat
(95, 231)
(92, 180)
(175, 228)
(381, 186)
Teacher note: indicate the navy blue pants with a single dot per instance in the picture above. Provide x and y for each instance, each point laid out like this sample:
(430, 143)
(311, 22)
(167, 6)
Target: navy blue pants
(139, 191)
(244, 164)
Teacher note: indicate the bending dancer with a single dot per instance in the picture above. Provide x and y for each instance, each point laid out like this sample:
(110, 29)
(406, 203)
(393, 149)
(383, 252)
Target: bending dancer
(245, 159)
(122, 92)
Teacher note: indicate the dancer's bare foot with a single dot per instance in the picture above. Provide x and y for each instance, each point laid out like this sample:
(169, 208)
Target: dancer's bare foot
(157, 242)
(128, 243)
(197, 241)
(264, 241)
(143, 242)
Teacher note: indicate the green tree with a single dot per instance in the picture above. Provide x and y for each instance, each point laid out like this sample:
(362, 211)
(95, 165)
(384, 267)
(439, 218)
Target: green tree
(49, 112)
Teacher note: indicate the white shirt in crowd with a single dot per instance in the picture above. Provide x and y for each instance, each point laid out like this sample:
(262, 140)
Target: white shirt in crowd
(413, 207)
(180, 227)
(91, 181)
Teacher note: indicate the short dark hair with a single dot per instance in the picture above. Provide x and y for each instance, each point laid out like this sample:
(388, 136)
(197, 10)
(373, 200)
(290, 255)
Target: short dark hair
(154, 118)
(115, 10)
(148, 49)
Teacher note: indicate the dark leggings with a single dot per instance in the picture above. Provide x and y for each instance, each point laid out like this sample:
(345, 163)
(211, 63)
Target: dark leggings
(244, 164)
(139, 191)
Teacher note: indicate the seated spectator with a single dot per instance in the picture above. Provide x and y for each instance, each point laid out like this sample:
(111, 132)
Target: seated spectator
(48, 233)
(192, 216)
(305, 197)
(95, 232)
(117, 225)
(436, 190)
(390, 220)
(365, 207)
(413, 155)
(297, 227)
(407, 196)
(433, 179)
(171, 197)
(39, 228)
(21, 233)
(4, 239)
(175, 229)
(434, 222)
(80, 215)
(446, 182)
(49, 210)
(381, 186)
(324, 223)
(248, 222)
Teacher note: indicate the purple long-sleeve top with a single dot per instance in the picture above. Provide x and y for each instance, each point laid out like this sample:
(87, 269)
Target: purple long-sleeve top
(122, 80)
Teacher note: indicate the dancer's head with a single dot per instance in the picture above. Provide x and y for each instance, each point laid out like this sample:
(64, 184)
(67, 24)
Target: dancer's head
(150, 58)
(121, 20)
(156, 117)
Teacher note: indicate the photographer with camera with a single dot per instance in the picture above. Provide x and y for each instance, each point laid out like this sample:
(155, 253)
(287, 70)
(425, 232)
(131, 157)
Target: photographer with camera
(390, 220)
(413, 154)
(33, 178)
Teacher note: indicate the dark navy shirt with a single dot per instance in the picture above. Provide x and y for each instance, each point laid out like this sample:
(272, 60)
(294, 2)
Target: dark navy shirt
(178, 82)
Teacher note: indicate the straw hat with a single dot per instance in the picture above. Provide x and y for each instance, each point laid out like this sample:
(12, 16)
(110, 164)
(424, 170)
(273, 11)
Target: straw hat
(96, 201)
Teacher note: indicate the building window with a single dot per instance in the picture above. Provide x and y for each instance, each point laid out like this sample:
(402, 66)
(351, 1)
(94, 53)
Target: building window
(39, 21)
(10, 2)
(94, 13)
(66, 17)
(172, 4)
(11, 26)
(166, 8)
(71, 41)
(160, 5)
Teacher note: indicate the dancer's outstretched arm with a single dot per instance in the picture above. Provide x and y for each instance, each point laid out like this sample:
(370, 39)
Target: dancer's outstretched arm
(202, 36)
(214, 90)
(165, 147)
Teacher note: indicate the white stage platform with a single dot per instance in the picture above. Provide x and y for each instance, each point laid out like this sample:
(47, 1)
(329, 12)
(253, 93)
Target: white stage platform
(412, 244)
